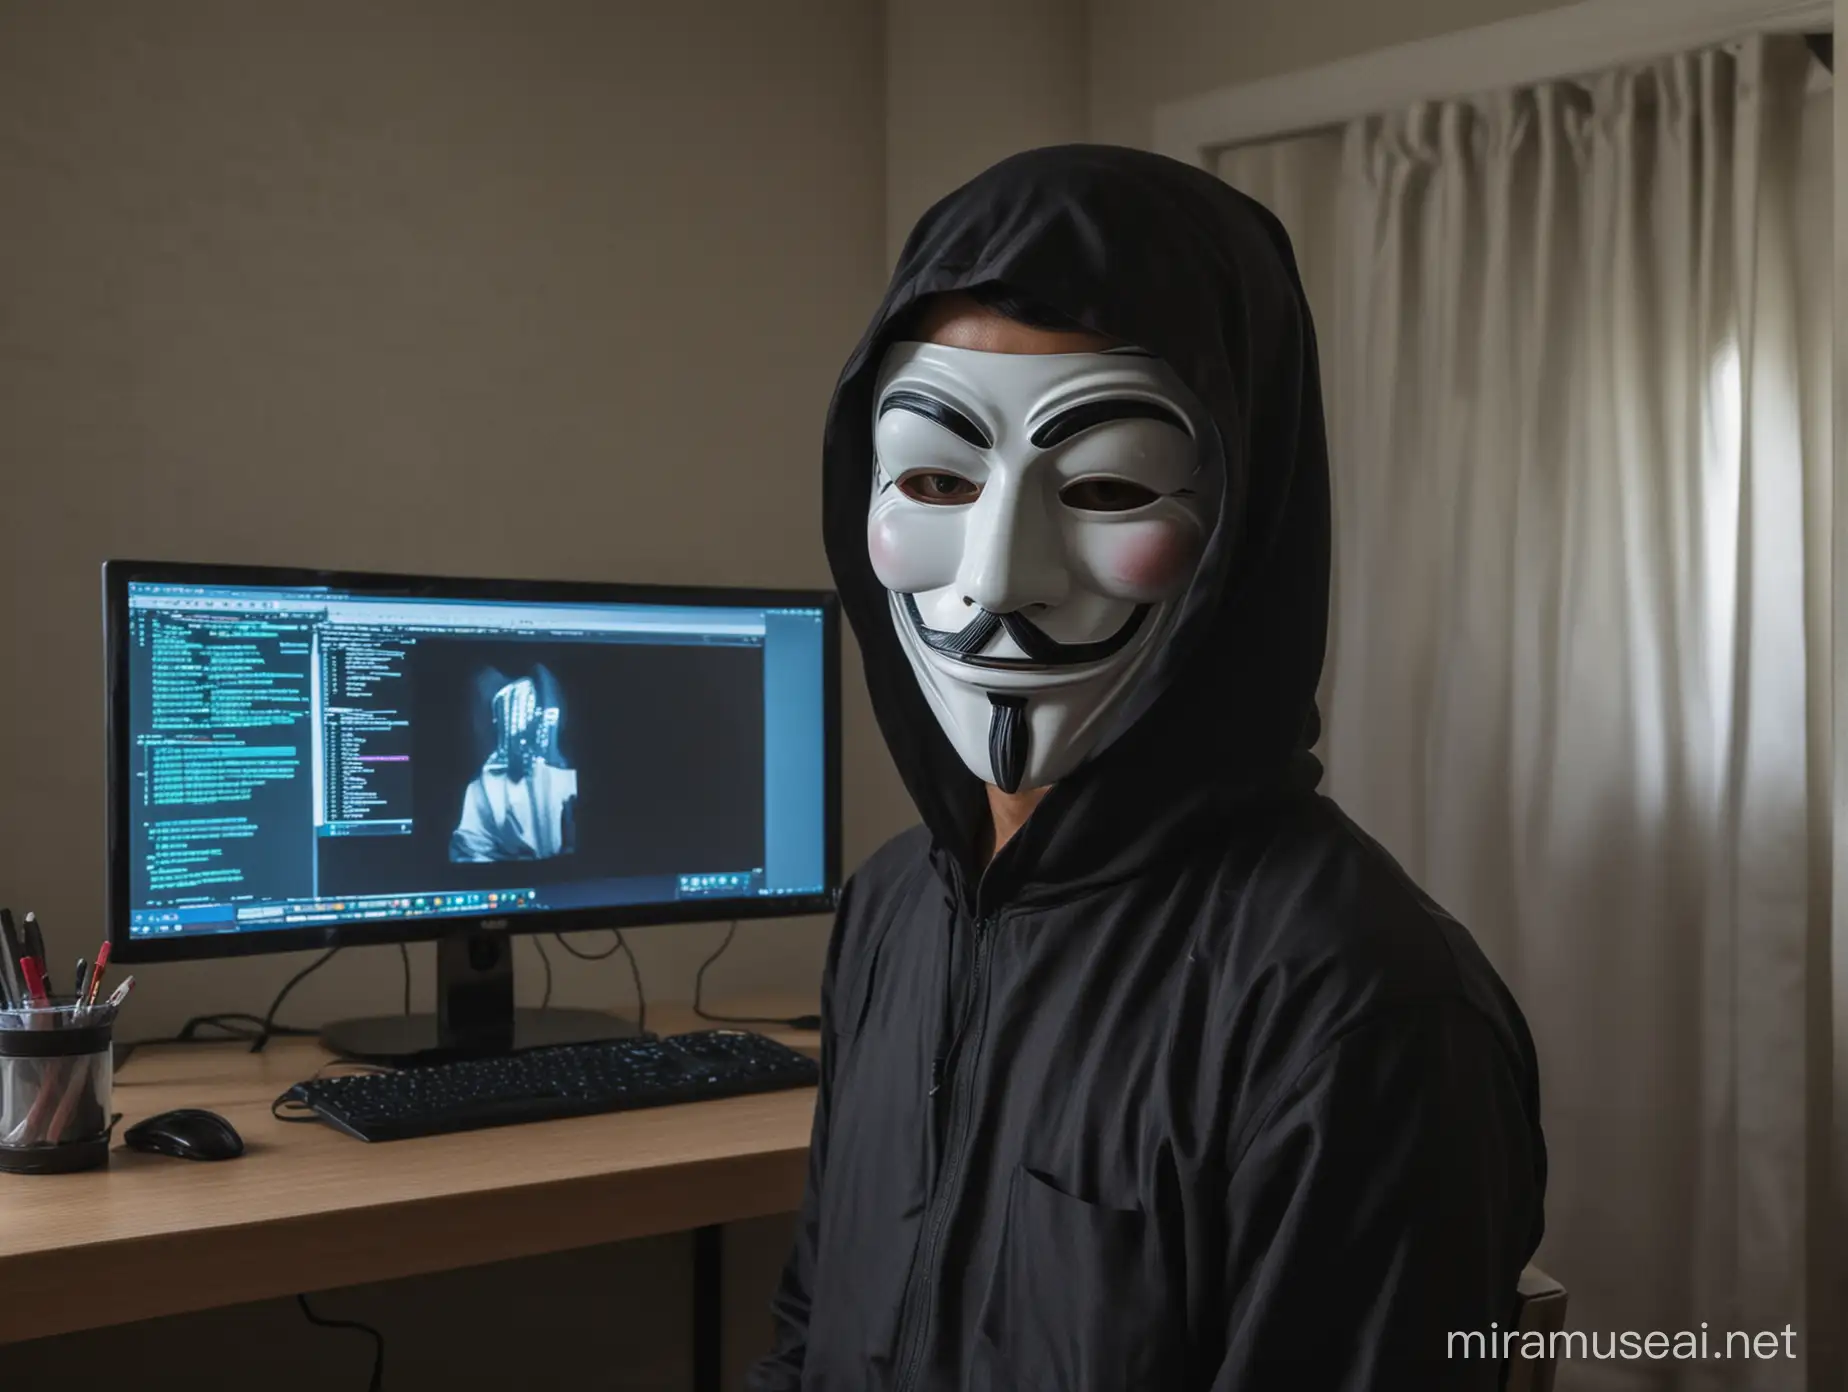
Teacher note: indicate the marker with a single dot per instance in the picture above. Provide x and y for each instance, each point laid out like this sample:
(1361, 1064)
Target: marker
(35, 948)
(35, 939)
(81, 981)
(35, 981)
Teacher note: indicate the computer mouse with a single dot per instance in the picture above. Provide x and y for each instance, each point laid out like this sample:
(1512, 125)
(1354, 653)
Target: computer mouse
(187, 1134)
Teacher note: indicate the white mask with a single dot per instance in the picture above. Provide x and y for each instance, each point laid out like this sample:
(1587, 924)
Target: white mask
(1037, 518)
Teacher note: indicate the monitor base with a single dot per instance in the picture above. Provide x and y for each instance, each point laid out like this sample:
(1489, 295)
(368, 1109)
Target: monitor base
(410, 1040)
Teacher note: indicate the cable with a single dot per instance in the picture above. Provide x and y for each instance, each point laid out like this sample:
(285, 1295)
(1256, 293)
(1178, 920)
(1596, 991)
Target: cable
(230, 1033)
(635, 971)
(288, 1107)
(641, 997)
(189, 1033)
(798, 1022)
(239, 1026)
(300, 1110)
(539, 947)
(269, 1020)
(614, 948)
(378, 1340)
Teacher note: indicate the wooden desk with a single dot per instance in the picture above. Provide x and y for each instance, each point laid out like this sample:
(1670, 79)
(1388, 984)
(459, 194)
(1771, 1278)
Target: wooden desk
(307, 1208)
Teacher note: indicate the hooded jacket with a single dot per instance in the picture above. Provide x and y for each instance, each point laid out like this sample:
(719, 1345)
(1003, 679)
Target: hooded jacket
(1190, 1087)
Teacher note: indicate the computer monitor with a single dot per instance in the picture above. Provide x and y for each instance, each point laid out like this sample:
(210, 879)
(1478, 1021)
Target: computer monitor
(302, 759)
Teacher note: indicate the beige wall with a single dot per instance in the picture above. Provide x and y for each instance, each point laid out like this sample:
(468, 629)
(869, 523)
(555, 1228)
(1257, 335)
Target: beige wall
(544, 289)
(1146, 52)
(554, 290)
(971, 81)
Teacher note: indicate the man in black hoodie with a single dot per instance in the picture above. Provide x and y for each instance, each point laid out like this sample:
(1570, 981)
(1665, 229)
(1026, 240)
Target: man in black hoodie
(1143, 1067)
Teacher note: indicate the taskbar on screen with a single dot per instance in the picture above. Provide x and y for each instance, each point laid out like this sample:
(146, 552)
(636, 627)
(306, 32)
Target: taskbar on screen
(220, 918)
(187, 919)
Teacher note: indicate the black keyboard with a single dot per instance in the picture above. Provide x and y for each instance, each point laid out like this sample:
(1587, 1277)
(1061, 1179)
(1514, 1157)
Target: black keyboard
(564, 1081)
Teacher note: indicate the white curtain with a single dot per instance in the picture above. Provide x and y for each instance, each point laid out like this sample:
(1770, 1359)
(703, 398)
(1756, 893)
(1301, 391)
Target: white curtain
(1576, 371)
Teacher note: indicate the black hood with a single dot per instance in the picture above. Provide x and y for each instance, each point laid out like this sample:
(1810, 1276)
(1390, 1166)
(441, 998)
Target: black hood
(1167, 257)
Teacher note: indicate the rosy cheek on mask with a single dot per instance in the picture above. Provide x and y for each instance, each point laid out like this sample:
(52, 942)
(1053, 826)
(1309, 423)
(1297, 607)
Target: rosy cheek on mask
(879, 549)
(1145, 561)
(912, 554)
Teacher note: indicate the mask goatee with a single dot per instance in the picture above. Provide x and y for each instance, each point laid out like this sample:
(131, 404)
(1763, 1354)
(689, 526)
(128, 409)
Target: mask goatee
(1008, 740)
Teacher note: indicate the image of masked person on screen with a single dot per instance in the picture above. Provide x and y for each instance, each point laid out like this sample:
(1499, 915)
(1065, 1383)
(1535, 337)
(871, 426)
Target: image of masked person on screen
(521, 804)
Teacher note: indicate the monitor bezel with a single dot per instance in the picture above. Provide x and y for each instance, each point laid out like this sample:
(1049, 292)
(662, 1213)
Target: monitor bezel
(119, 574)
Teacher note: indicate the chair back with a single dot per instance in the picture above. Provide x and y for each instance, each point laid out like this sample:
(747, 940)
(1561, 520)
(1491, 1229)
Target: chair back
(1541, 1310)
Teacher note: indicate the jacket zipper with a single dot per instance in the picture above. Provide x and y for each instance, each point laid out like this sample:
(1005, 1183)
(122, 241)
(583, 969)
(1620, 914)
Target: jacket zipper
(918, 1309)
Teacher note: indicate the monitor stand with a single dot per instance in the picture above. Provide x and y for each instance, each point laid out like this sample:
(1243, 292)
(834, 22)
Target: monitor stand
(476, 1016)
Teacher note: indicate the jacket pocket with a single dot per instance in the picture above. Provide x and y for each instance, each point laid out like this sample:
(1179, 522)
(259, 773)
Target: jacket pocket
(1078, 1300)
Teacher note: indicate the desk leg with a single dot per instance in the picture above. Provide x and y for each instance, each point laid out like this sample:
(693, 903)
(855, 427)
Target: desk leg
(708, 1308)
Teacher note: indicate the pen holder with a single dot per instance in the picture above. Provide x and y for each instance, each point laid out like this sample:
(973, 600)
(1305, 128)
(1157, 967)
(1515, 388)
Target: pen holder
(56, 1072)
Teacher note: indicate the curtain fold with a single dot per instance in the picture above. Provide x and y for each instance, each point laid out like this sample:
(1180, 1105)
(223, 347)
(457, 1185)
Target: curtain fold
(1569, 353)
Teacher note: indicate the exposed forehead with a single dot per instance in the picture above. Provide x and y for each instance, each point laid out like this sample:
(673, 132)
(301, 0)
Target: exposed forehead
(957, 320)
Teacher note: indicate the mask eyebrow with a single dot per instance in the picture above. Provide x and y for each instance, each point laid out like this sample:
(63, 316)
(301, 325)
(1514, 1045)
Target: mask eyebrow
(936, 409)
(1056, 429)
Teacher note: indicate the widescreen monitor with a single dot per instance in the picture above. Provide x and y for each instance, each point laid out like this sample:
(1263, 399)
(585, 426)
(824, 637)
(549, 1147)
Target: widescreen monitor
(300, 758)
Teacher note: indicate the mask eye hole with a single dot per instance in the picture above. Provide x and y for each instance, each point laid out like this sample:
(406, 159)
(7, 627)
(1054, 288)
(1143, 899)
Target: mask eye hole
(938, 487)
(1106, 495)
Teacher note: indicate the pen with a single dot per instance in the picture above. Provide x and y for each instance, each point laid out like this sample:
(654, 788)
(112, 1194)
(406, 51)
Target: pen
(80, 982)
(121, 993)
(30, 1130)
(96, 974)
(76, 1090)
(9, 957)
